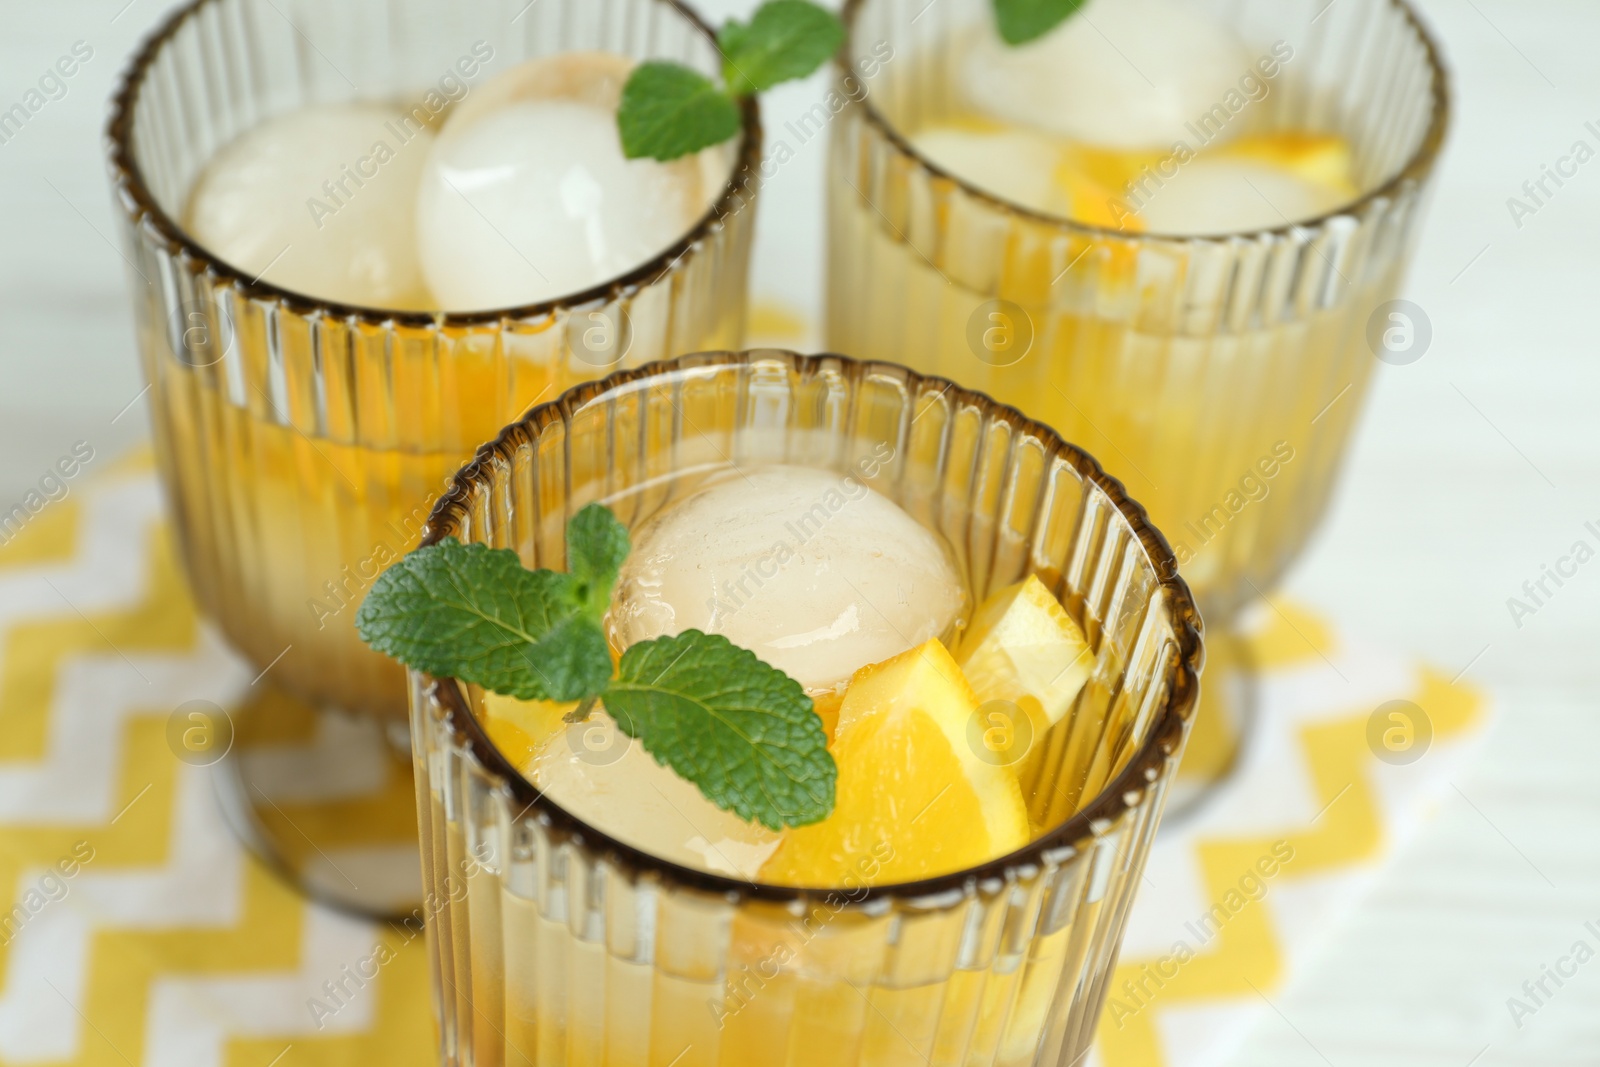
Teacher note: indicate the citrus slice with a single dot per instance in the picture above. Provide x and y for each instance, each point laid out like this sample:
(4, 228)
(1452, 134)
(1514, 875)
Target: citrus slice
(914, 798)
(1322, 158)
(1095, 185)
(1023, 648)
(519, 727)
(827, 706)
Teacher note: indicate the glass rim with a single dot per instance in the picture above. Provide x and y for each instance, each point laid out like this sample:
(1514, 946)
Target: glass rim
(1415, 170)
(128, 180)
(1114, 800)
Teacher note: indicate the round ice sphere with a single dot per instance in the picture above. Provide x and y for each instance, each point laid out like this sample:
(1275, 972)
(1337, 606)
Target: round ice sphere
(1222, 194)
(320, 201)
(1019, 165)
(607, 779)
(809, 569)
(527, 196)
(594, 78)
(1118, 73)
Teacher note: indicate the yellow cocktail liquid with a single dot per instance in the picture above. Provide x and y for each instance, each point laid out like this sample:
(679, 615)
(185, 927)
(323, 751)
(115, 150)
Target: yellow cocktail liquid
(807, 990)
(1218, 379)
(302, 465)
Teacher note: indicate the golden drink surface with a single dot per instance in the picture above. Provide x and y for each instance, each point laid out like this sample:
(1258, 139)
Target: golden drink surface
(1229, 439)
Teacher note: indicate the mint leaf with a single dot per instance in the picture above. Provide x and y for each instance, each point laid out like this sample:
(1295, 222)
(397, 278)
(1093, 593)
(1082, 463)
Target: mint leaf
(669, 111)
(1020, 21)
(597, 543)
(572, 661)
(784, 40)
(743, 731)
(475, 613)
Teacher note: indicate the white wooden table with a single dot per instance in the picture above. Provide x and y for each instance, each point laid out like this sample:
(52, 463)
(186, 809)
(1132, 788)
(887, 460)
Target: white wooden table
(1473, 468)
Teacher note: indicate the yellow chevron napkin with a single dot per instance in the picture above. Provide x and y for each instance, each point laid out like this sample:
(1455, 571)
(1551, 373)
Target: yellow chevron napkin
(1347, 748)
(140, 932)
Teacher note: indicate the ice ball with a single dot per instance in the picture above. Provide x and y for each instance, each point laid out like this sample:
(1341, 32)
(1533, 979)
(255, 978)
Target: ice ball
(810, 569)
(1018, 165)
(595, 78)
(1224, 194)
(1118, 73)
(320, 201)
(526, 195)
(607, 779)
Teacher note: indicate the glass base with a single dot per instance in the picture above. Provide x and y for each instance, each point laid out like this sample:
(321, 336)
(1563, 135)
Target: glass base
(326, 799)
(1222, 725)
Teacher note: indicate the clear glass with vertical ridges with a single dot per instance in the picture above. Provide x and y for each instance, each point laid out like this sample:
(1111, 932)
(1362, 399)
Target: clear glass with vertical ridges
(1192, 366)
(554, 944)
(302, 442)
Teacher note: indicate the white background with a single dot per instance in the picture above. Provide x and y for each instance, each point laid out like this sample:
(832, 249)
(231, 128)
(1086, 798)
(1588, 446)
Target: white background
(1472, 468)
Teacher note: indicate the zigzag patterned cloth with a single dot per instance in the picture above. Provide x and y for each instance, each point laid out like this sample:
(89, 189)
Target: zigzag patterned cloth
(1349, 749)
(141, 933)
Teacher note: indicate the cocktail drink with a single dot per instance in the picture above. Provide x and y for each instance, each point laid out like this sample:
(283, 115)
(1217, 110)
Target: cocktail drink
(1168, 228)
(900, 683)
(337, 305)
(365, 236)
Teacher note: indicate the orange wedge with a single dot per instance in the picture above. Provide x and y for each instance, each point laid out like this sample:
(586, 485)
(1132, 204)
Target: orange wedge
(915, 798)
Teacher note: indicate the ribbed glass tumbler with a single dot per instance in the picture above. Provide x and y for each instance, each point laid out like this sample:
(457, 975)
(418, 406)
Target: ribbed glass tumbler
(555, 944)
(1218, 377)
(301, 442)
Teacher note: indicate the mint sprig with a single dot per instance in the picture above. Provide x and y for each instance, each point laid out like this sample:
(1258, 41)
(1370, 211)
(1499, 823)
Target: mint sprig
(1020, 21)
(475, 613)
(741, 730)
(597, 545)
(784, 40)
(668, 110)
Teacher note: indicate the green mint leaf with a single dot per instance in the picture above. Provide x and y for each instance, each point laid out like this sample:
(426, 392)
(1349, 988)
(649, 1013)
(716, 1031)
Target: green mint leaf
(475, 613)
(784, 40)
(741, 730)
(1020, 21)
(669, 111)
(573, 661)
(597, 543)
